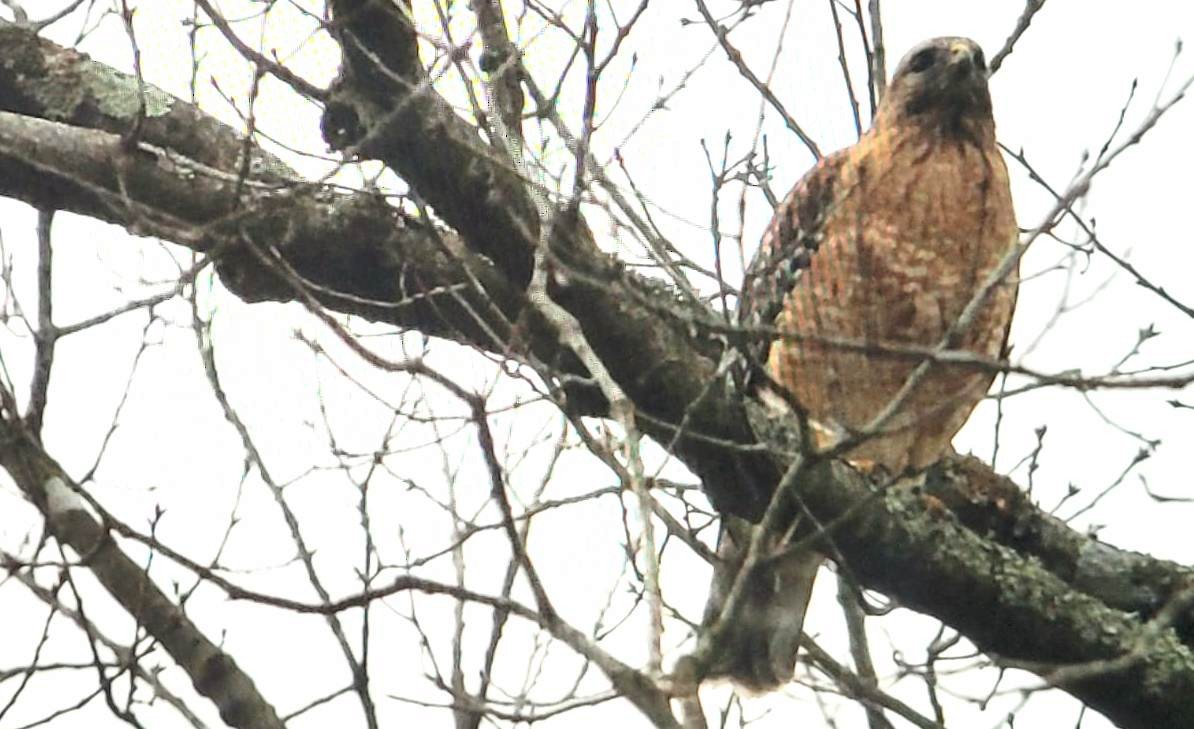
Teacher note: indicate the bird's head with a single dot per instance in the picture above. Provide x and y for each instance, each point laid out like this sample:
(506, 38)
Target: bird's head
(941, 82)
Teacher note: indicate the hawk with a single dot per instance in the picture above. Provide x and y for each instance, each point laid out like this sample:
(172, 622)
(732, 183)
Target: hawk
(871, 258)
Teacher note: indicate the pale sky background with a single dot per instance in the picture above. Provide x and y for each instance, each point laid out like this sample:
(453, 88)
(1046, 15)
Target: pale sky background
(1057, 98)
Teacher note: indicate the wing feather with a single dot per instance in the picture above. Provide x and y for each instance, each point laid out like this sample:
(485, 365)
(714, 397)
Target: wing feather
(785, 252)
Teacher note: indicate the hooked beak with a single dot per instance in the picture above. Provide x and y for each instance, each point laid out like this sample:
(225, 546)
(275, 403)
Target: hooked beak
(966, 58)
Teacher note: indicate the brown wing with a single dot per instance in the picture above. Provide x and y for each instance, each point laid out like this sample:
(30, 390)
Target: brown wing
(785, 252)
(761, 644)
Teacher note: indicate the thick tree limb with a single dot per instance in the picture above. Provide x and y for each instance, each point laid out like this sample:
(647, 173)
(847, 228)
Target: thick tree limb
(354, 253)
(996, 507)
(382, 107)
(1021, 586)
(42, 79)
(1006, 603)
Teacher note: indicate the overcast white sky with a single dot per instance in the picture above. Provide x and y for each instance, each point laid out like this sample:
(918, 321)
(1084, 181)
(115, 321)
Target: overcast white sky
(1056, 98)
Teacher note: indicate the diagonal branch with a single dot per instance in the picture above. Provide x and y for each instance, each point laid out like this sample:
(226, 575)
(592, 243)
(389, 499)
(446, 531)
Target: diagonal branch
(213, 672)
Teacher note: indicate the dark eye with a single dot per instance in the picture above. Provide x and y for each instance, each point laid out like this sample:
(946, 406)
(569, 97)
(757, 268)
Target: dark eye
(922, 60)
(980, 61)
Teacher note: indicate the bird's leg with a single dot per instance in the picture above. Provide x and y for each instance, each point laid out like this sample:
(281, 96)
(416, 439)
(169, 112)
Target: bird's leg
(827, 435)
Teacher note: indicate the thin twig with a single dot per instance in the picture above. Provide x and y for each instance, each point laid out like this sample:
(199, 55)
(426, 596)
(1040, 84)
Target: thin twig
(735, 57)
(46, 336)
(1031, 7)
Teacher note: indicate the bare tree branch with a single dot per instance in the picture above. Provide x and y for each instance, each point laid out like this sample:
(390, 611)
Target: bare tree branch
(214, 673)
(1039, 597)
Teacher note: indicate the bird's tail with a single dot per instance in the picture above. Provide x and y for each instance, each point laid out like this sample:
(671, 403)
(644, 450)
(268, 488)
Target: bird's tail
(755, 647)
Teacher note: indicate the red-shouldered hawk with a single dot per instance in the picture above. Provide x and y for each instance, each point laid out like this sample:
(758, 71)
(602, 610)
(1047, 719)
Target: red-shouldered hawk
(880, 248)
